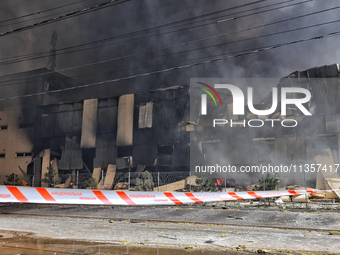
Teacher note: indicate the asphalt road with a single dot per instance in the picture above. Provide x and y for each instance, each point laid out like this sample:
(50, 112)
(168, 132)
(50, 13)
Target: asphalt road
(241, 229)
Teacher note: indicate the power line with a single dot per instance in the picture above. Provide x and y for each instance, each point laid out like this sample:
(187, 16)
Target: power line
(213, 37)
(212, 23)
(223, 44)
(44, 54)
(65, 16)
(237, 41)
(40, 12)
(251, 38)
(240, 12)
(39, 18)
(100, 62)
(176, 67)
(205, 47)
(225, 34)
(136, 32)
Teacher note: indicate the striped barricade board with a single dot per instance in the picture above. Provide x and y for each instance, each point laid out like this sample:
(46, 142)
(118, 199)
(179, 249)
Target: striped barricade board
(12, 194)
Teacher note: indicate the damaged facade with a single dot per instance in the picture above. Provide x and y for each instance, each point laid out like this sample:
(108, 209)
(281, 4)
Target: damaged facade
(151, 130)
(127, 132)
(315, 141)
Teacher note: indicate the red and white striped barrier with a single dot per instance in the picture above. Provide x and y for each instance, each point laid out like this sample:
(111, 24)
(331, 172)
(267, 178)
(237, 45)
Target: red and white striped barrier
(12, 194)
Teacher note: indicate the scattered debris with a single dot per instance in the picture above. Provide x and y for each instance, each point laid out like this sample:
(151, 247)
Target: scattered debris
(263, 251)
(122, 185)
(241, 247)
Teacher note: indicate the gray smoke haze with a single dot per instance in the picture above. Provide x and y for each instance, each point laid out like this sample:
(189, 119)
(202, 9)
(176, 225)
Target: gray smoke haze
(137, 15)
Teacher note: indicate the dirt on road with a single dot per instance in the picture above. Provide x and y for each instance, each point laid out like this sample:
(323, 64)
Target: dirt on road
(177, 229)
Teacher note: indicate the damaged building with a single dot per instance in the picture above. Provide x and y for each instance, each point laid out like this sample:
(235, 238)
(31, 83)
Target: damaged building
(73, 132)
(160, 130)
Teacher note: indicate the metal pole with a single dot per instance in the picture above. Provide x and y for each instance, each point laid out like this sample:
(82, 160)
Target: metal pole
(225, 182)
(77, 179)
(74, 179)
(158, 181)
(264, 188)
(14, 180)
(225, 187)
(53, 181)
(33, 181)
(129, 181)
(304, 180)
(190, 181)
(102, 179)
(264, 184)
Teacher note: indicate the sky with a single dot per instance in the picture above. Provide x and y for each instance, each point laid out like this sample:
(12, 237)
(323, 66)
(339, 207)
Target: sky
(167, 30)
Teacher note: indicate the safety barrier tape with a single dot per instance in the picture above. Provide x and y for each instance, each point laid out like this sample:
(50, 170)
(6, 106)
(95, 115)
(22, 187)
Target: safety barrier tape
(12, 194)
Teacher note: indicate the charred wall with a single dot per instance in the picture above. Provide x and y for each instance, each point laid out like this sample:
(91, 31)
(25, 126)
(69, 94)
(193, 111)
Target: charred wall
(160, 139)
(164, 146)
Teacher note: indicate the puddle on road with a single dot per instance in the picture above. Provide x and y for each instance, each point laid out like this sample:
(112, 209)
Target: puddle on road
(11, 244)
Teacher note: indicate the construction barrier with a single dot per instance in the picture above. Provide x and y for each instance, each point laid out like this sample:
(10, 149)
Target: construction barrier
(13, 194)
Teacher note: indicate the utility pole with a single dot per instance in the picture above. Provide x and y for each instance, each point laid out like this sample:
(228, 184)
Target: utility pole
(51, 64)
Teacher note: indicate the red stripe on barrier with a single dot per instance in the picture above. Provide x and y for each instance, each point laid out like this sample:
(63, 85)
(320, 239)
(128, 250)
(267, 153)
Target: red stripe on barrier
(253, 194)
(293, 192)
(172, 198)
(101, 197)
(233, 194)
(17, 194)
(125, 197)
(311, 191)
(44, 193)
(193, 198)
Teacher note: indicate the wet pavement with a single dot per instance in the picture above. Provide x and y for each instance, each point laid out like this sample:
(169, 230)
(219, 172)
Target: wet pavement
(31, 246)
(14, 242)
(36, 246)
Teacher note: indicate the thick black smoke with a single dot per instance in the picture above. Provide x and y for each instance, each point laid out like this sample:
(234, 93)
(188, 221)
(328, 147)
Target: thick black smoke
(138, 15)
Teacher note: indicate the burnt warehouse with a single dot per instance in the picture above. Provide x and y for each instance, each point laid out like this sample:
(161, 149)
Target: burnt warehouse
(95, 130)
(132, 131)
